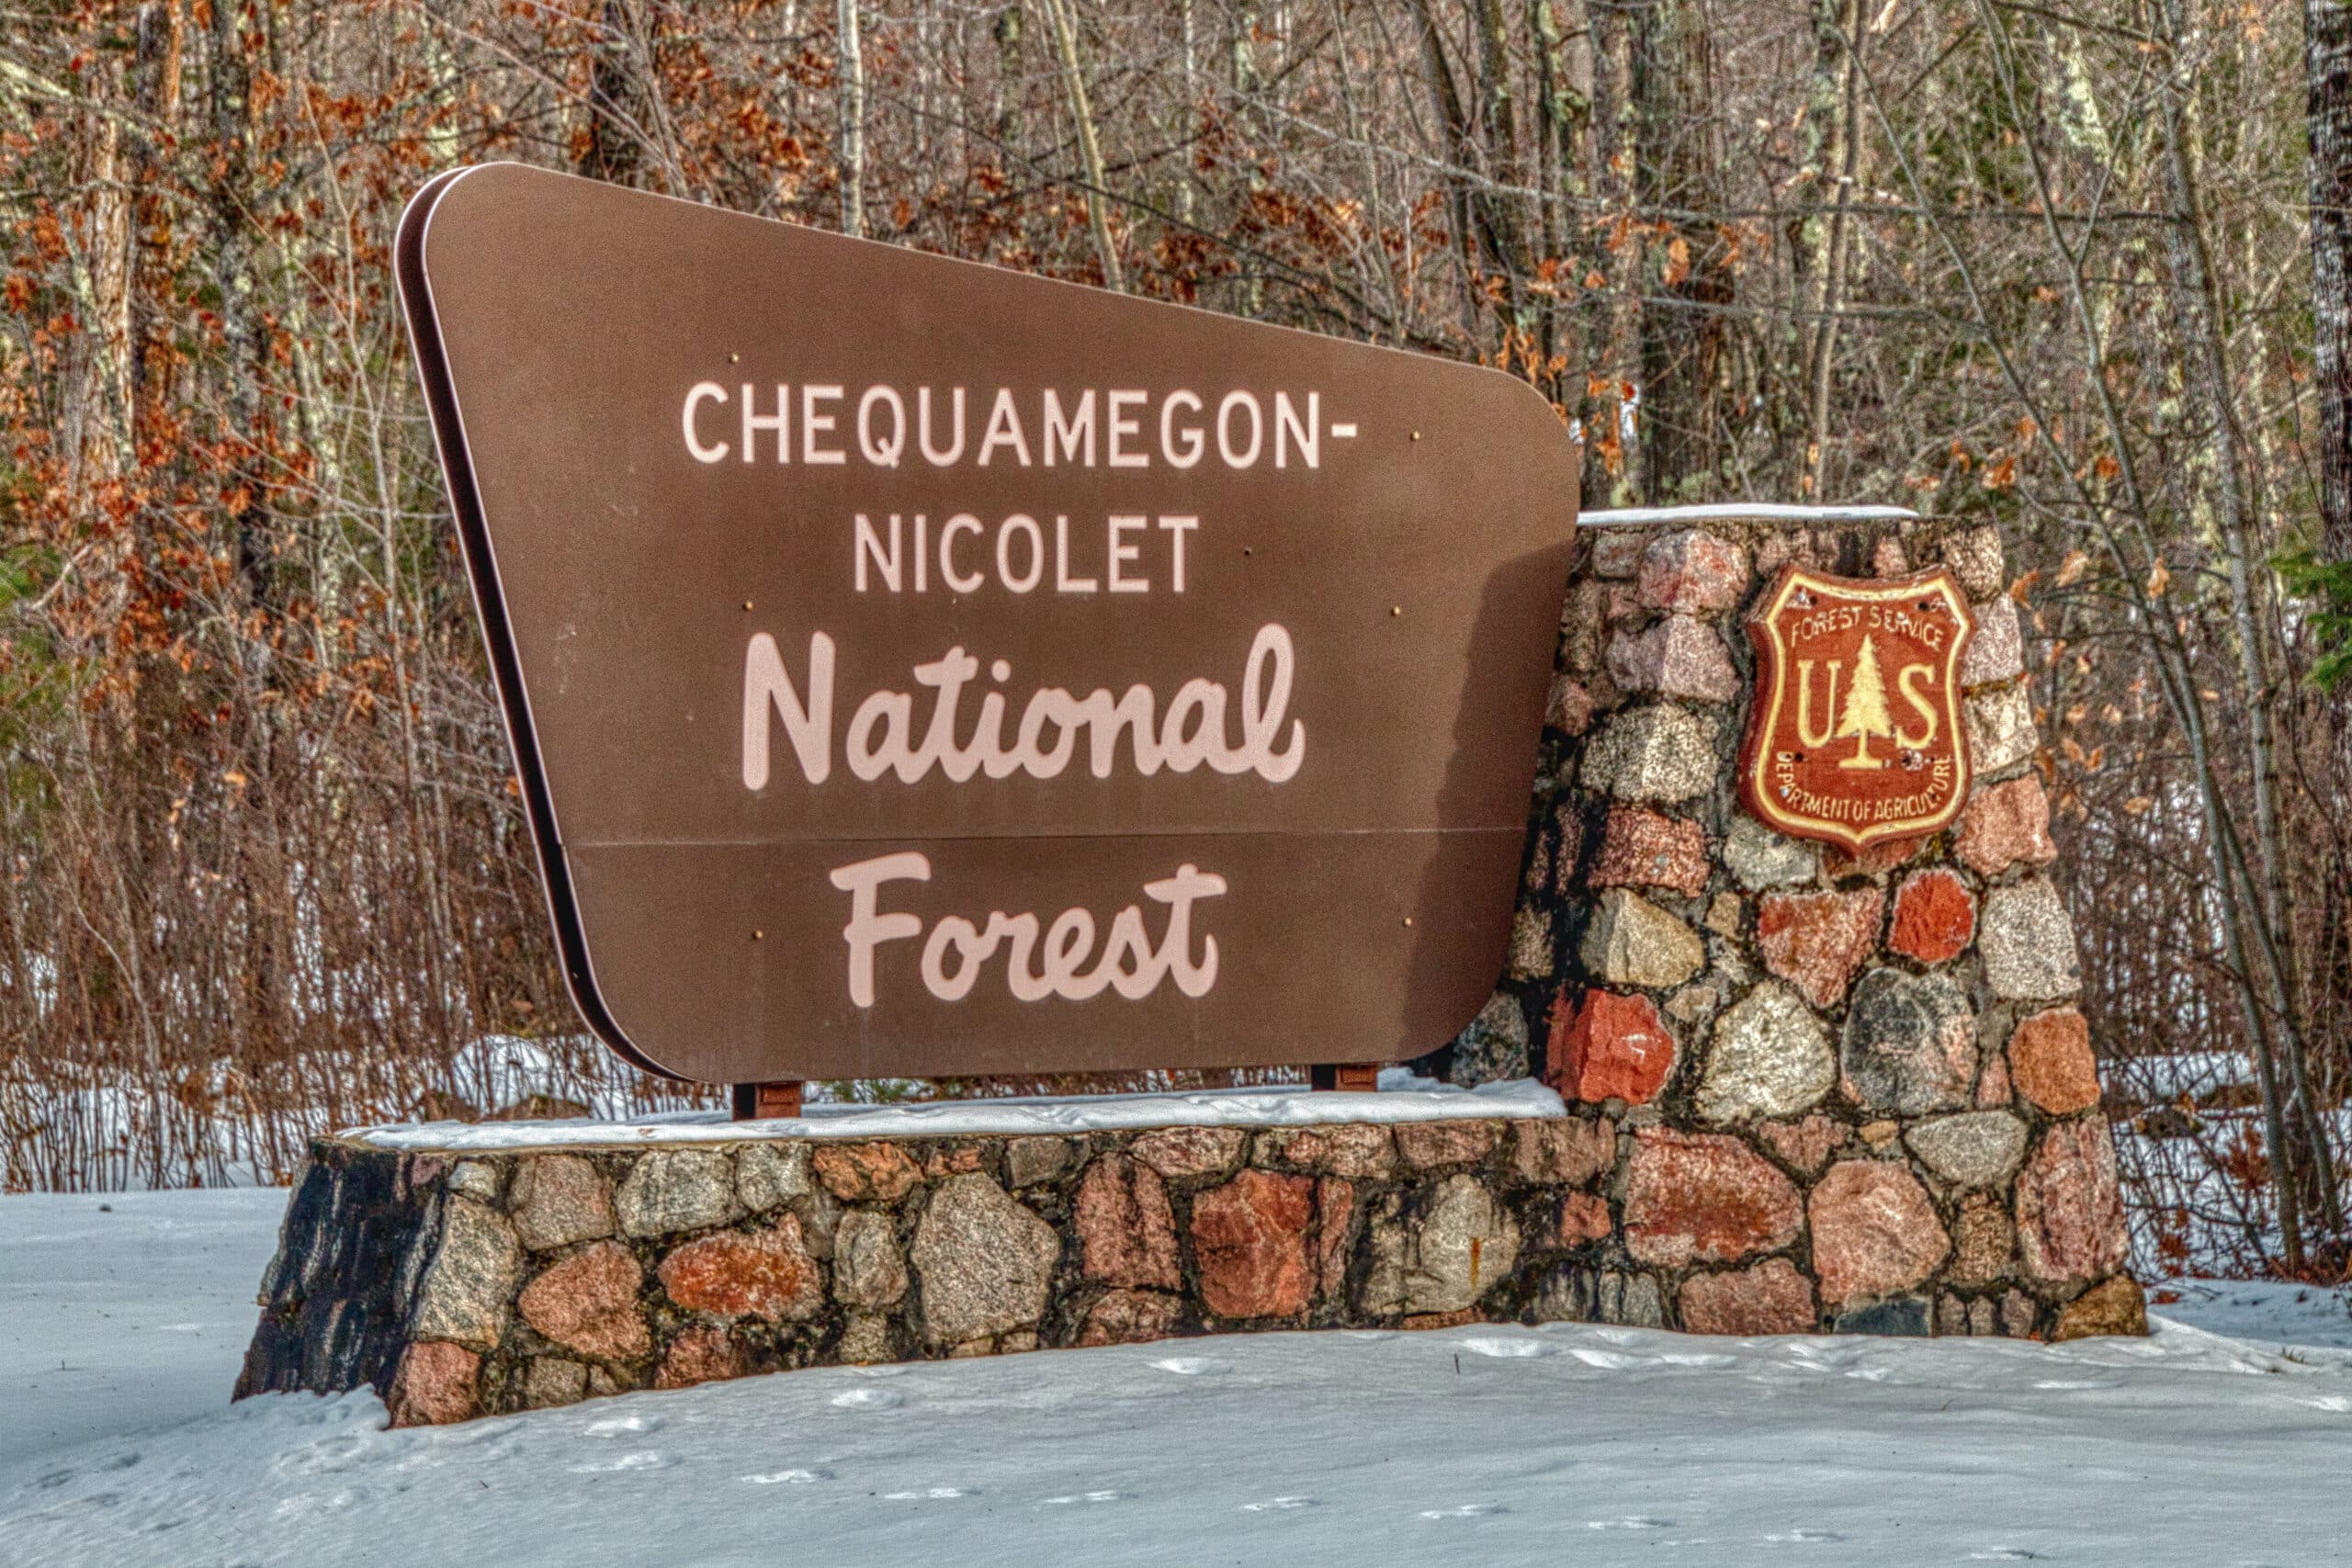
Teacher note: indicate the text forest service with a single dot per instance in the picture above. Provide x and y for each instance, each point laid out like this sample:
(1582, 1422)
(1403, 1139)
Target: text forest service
(1856, 737)
(917, 668)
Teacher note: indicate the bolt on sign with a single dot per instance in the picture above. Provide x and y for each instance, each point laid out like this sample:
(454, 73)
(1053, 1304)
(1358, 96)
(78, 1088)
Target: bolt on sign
(914, 668)
(1856, 735)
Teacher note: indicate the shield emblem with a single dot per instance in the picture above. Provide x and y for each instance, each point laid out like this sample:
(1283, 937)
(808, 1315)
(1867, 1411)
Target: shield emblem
(1856, 735)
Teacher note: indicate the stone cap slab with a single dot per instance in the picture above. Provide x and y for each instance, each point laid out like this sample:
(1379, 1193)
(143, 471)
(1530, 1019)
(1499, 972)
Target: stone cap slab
(1518, 1100)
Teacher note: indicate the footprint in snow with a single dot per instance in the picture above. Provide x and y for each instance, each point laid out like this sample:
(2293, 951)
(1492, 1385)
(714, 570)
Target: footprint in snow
(2336, 1403)
(1805, 1535)
(1506, 1346)
(1278, 1505)
(788, 1477)
(1634, 1522)
(324, 1456)
(612, 1425)
(930, 1492)
(1466, 1511)
(869, 1399)
(1085, 1497)
(2002, 1554)
(1192, 1366)
(1367, 1333)
(643, 1461)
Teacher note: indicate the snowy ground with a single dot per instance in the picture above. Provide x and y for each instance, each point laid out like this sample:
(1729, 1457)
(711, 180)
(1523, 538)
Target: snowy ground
(120, 1332)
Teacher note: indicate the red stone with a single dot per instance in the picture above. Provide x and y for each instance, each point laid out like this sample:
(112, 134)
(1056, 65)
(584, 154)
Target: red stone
(703, 1355)
(1249, 1237)
(1425, 1146)
(1703, 1197)
(1570, 709)
(588, 1301)
(2051, 1061)
(1568, 1151)
(1335, 1205)
(1129, 1317)
(436, 1386)
(1934, 916)
(959, 1161)
(1125, 1226)
(1648, 849)
(761, 1274)
(1691, 570)
(2070, 1211)
(1804, 1144)
(2004, 824)
(1614, 1047)
(1872, 860)
(1817, 939)
(1771, 1298)
(865, 1173)
(1874, 1231)
(1584, 1216)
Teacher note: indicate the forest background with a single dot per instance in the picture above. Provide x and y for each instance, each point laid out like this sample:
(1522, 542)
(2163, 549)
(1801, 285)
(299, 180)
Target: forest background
(2078, 267)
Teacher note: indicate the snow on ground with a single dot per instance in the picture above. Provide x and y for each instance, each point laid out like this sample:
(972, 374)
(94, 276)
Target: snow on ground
(1494, 1445)
(124, 1309)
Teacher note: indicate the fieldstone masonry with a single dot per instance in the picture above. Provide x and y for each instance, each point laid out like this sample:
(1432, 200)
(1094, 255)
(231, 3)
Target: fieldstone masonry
(1849, 1092)
(466, 1284)
(1807, 1091)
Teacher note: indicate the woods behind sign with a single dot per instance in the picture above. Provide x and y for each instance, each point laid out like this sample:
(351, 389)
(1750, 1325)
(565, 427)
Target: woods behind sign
(918, 668)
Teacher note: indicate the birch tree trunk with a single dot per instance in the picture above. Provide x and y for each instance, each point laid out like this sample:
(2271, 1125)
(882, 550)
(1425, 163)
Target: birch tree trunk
(2327, 56)
(852, 107)
(1090, 149)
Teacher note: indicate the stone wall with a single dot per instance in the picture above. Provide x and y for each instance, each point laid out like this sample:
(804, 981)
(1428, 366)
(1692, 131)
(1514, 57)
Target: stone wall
(464, 1285)
(1806, 1092)
(1855, 1090)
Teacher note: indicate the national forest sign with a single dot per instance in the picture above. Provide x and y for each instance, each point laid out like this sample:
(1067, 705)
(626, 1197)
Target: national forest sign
(915, 668)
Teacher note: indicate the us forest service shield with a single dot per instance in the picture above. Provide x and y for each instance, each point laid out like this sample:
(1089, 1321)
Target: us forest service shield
(1856, 736)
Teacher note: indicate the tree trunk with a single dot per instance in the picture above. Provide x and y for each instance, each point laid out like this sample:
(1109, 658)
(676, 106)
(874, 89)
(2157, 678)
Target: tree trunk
(1090, 149)
(2327, 65)
(852, 107)
(1613, 416)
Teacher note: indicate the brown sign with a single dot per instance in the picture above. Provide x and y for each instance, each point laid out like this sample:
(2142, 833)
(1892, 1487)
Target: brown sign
(914, 668)
(1856, 735)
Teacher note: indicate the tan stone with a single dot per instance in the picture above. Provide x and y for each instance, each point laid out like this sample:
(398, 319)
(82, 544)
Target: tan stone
(1428, 1146)
(865, 1173)
(2114, 1306)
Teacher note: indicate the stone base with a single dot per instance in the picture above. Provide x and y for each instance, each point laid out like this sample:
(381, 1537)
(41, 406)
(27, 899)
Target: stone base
(461, 1284)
